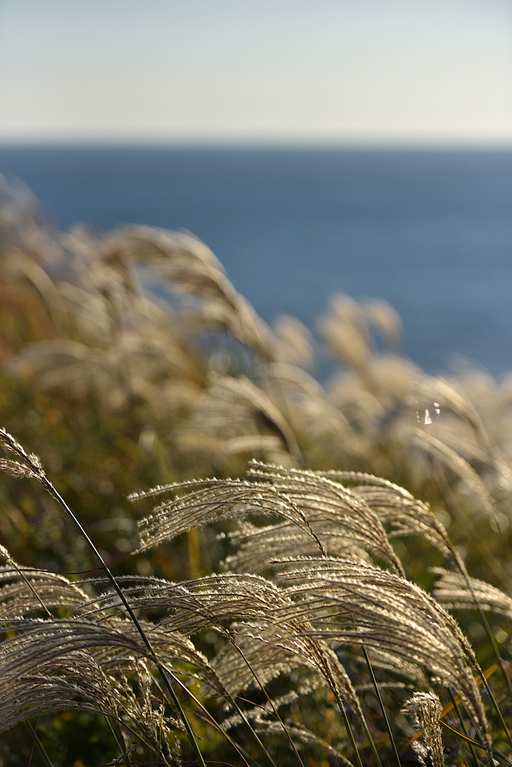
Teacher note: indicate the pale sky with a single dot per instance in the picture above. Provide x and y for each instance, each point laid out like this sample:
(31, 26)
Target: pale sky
(256, 71)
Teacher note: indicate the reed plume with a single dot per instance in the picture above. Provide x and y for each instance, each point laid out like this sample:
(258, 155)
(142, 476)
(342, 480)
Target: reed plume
(424, 709)
(317, 516)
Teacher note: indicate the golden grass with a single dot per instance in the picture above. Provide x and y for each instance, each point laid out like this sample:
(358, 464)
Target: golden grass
(295, 581)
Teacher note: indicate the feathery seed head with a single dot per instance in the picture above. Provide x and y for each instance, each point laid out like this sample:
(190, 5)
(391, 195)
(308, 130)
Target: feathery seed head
(424, 709)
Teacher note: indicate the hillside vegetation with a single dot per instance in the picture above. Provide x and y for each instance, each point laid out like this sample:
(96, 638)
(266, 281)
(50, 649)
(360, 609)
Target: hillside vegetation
(210, 557)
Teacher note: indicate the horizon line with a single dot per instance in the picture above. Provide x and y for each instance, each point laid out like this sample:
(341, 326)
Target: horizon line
(218, 141)
(241, 145)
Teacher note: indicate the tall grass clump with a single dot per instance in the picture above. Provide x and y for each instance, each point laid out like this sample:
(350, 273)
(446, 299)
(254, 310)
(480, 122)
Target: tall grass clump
(224, 560)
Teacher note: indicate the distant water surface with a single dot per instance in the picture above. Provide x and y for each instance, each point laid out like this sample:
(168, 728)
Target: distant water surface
(429, 231)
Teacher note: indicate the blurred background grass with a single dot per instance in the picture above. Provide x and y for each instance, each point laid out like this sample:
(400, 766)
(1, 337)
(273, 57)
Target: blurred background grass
(117, 391)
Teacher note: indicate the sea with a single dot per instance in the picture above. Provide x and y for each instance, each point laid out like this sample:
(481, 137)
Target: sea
(429, 231)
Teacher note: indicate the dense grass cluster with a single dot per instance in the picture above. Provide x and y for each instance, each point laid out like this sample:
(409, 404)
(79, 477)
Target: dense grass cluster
(223, 560)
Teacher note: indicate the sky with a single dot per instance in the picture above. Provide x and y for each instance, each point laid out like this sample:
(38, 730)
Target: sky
(283, 72)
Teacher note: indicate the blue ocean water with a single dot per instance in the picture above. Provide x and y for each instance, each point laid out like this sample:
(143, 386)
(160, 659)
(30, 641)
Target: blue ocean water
(429, 231)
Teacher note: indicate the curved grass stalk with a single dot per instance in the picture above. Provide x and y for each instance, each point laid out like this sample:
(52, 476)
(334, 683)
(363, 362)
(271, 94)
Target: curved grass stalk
(349, 731)
(229, 636)
(208, 717)
(460, 564)
(163, 672)
(33, 734)
(476, 744)
(462, 723)
(457, 560)
(381, 704)
(30, 466)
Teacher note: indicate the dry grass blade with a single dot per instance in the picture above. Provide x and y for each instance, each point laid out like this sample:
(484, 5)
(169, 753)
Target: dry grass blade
(25, 269)
(297, 389)
(146, 713)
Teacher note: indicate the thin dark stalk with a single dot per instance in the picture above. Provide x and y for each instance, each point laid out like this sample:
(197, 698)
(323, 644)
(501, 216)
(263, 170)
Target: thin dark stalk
(269, 700)
(381, 704)
(366, 728)
(371, 741)
(463, 725)
(29, 585)
(445, 491)
(118, 736)
(206, 716)
(475, 743)
(348, 728)
(163, 672)
(460, 564)
(41, 748)
(237, 747)
(231, 639)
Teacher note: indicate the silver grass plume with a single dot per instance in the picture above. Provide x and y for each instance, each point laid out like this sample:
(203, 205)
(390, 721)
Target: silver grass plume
(444, 395)
(75, 664)
(323, 427)
(453, 592)
(241, 607)
(72, 680)
(458, 465)
(298, 390)
(51, 649)
(22, 464)
(143, 708)
(134, 365)
(187, 263)
(334, 512)
(257, 547)
(24, 590)
(257, 650)
(210, 500)
(355, 603)
(396, 507)
(233, 407)
(414, 676)
(424, 710)
(295, 342)
(345, 331)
